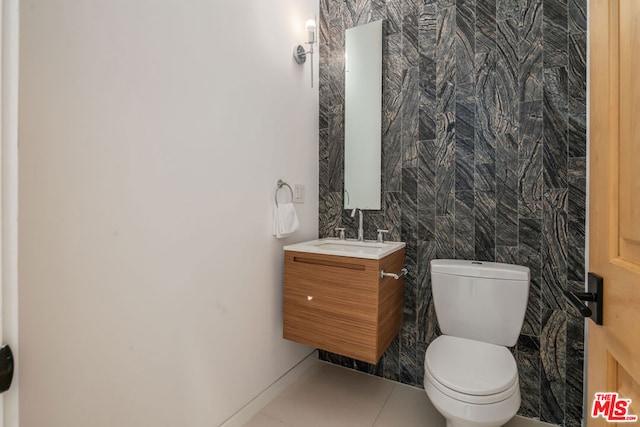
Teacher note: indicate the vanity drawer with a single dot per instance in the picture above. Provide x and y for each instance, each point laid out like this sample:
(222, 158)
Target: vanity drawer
(340, 304)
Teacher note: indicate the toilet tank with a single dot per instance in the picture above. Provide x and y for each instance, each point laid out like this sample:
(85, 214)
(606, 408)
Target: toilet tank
(482, 301)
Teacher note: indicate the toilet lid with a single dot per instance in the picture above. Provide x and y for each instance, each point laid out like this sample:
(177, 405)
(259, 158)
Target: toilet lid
(471, 367)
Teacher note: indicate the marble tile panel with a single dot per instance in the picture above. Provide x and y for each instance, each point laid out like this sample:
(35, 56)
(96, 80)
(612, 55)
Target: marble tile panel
(507, 254)
(445, 241)
(409, 306)
(485, 177)
(465, 171)
(392, 74)
(529, 255)
(323, 24)
(373, 221)
(336, 34)
(323, 161)
(553, 357)
(410, 154)
(577, 16)
(335, 9)
(555, 128)
(506, 204)
(427, 100)
(575, 368)
(507, 9)
(409, 111)
(530, 237)
(554, 228)
(427, 165)
(576, 206)
(391, 360)
(508, 76)
(465, 41)
(575, 263)
(356, 12)
(324, 108)
(445, 164)
(529, 369)
(427, 122)
(554, 248)
(485, 25)
(330, 213)
(531, 128)
(335, 156)
(335, 79)
(533, 317)
(392, 158)
(427, 30)
(408, 354)
(465, 225)
(554, 283)
(577, 70)
(485, 225)
(425, 314)
(555, 38)
(421, 350)
(446, 59)
(577, 128)
(379, 11)
(530, 162)
(486, 108)
(394, 16)
(393, 214)
(465, 148)
(465, 112)
(531, 51)
(410, 44)
(409, 217)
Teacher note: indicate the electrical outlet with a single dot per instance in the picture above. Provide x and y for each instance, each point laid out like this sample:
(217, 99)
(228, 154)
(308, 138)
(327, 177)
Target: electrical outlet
(298, 193)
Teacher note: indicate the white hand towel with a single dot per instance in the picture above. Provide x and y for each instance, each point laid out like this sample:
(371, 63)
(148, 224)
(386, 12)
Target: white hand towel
(285, 220)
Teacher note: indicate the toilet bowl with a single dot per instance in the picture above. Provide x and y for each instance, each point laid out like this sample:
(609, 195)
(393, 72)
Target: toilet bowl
(471, 377)
(471, 382)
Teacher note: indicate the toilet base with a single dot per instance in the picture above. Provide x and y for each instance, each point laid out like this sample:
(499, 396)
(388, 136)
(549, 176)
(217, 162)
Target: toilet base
(458, 423)
(462, 414)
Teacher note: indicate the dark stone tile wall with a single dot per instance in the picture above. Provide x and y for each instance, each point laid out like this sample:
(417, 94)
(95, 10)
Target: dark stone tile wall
(483, 157)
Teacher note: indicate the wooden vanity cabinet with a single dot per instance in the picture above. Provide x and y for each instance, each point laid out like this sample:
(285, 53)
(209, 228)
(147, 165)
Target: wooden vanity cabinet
(340, 304)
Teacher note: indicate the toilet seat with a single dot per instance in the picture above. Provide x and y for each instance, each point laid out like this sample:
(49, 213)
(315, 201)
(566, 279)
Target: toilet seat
(471, 371)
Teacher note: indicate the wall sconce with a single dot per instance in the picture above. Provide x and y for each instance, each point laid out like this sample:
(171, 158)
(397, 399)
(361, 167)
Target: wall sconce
(299, 52)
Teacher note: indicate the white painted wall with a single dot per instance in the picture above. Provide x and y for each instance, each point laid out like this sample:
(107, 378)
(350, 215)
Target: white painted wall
(152, 134)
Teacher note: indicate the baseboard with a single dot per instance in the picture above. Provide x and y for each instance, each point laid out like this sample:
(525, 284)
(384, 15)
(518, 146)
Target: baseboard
(243, 416)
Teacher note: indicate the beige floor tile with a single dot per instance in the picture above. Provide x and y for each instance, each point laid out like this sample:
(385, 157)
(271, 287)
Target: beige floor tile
(262, 420)
(408, 407)
(518, 421)
(331, 396)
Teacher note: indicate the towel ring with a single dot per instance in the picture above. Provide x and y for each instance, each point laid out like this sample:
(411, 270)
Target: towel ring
(281, 184)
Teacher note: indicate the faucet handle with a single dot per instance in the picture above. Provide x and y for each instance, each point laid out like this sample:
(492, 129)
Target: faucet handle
(341, 231)
(381, 235)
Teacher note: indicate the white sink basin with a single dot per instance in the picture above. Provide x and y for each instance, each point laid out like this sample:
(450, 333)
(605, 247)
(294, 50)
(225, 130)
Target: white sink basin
(349, 248)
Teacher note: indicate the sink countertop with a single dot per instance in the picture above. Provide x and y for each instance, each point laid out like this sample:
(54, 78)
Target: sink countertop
(369, 249)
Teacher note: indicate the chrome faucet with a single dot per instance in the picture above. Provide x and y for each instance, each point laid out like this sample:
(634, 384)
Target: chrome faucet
(360, 228)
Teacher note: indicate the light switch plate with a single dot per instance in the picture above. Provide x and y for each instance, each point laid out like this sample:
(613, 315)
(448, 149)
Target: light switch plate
(298, 193)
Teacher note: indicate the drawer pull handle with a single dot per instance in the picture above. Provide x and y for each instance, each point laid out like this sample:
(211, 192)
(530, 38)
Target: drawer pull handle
(328, 263)
(309, 297)
(403, 272)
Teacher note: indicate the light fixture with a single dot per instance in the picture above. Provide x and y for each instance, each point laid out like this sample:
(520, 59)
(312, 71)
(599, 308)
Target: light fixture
(299, 52)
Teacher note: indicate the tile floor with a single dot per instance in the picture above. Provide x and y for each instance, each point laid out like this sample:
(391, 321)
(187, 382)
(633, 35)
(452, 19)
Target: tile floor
(330, 395)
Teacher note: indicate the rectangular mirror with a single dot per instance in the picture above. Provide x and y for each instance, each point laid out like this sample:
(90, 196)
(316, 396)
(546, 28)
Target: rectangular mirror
(363, 116)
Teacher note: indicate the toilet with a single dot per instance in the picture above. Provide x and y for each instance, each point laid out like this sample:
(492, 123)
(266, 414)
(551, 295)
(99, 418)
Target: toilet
(470, 375)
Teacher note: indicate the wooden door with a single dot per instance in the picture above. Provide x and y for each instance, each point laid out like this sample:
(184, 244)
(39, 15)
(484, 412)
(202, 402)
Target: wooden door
(614, 230)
